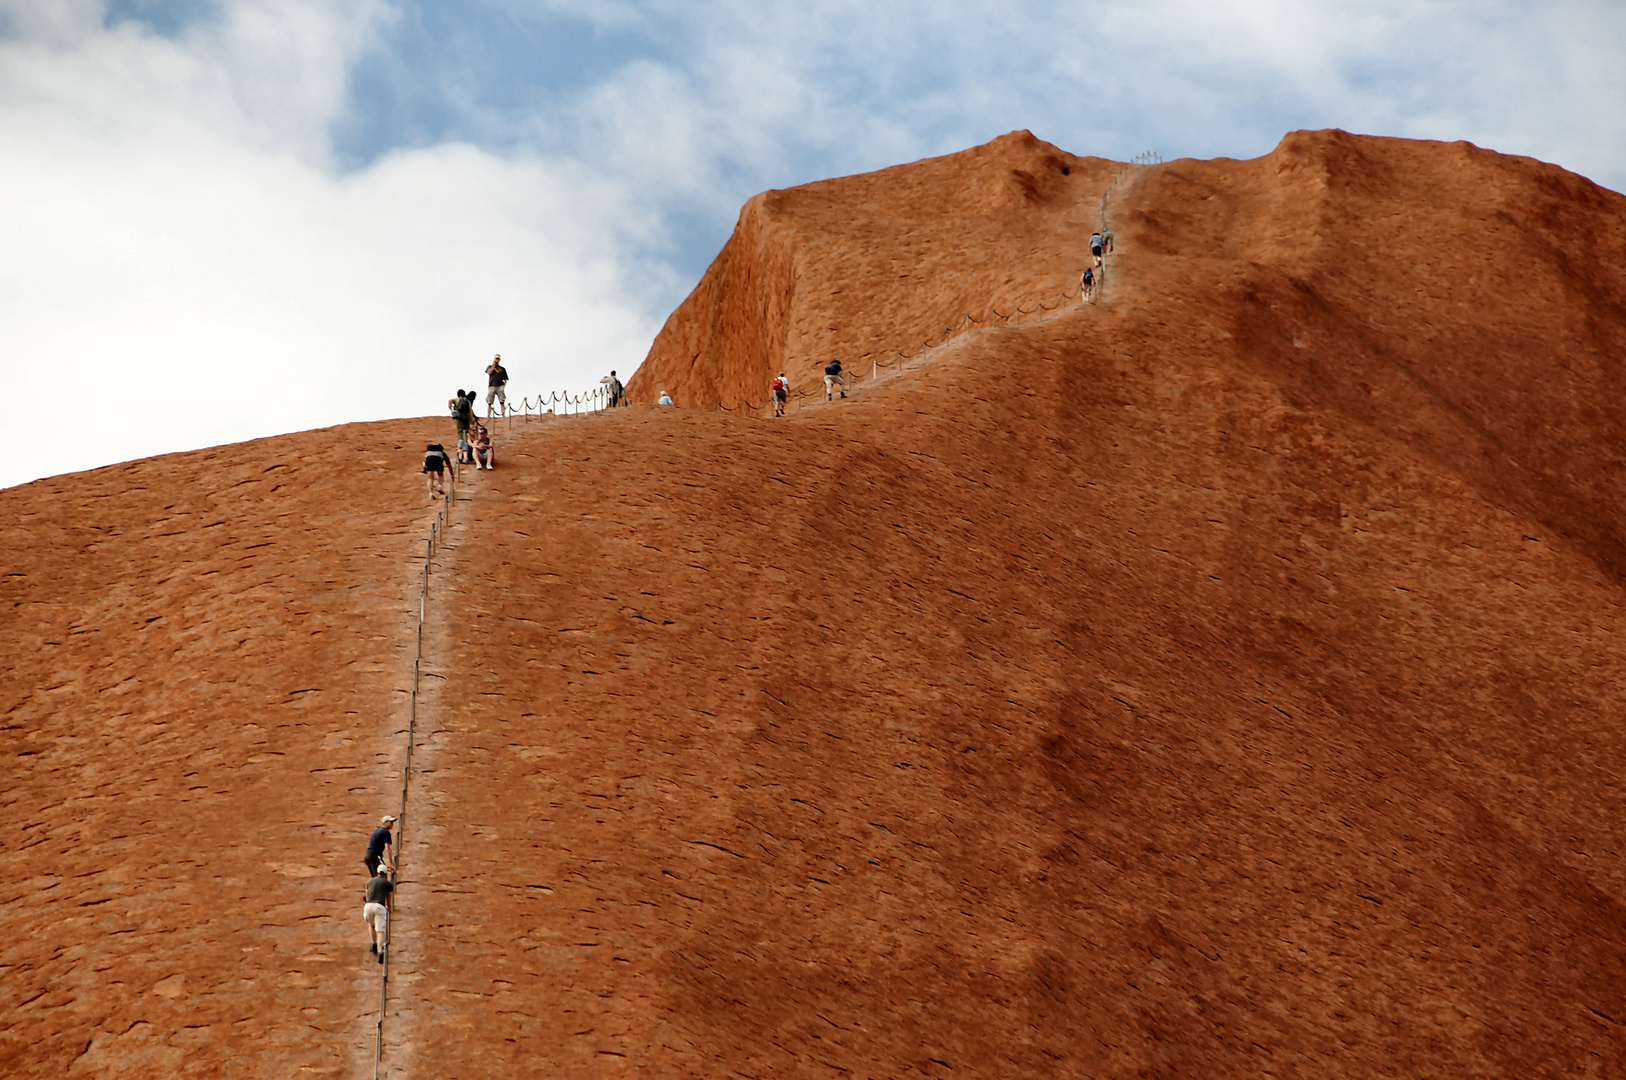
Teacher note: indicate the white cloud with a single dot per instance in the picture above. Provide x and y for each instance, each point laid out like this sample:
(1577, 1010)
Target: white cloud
(180, 267)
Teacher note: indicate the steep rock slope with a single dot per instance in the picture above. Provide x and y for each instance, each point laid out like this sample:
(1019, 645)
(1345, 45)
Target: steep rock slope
(863, 266)
(205, 664)
(1219, 680)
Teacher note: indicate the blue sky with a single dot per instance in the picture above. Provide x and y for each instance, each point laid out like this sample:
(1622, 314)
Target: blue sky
(302, 212)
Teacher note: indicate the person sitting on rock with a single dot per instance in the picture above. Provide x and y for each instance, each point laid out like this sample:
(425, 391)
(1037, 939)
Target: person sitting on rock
(666, 399)
(484, 456)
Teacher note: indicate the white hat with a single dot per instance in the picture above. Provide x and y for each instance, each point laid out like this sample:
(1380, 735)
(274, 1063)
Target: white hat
(388, 819)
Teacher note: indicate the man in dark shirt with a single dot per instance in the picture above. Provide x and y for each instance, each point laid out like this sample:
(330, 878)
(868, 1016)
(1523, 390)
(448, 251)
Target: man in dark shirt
(497, 380)
(376, 911)
(381, 847)
(832, 376)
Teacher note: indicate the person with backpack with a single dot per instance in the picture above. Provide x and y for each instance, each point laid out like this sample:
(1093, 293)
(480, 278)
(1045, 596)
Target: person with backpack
(781, 393)
(832, 376)
(463, 413)
(435, 466)
(613, 387)
(496, 381)
(1086, 285)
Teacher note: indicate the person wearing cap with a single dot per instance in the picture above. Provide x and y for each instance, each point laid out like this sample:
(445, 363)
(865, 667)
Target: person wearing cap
(381, 848)
(496, 383)
(376, 911)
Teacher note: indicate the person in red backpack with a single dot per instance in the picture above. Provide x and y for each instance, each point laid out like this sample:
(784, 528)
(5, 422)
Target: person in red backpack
(781, 391)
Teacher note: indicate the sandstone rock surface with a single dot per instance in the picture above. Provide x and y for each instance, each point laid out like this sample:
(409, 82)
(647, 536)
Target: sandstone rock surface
(1219, 680)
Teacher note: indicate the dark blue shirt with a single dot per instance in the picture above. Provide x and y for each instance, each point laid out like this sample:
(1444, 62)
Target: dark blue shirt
(375, 846)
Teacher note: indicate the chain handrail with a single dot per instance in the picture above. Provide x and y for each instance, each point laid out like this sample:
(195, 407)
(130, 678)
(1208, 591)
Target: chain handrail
(442, 517)
(989, 318)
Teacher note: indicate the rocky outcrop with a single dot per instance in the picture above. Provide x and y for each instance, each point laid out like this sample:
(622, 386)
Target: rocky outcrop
(1218, 680)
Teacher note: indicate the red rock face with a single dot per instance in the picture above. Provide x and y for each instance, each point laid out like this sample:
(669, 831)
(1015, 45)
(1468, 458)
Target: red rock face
(1220, 679)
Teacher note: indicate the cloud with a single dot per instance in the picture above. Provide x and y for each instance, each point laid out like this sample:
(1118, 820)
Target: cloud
(182, 267)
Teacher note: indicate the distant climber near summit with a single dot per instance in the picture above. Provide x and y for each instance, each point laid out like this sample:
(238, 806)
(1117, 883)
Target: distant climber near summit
(832, 376)
(781, 391)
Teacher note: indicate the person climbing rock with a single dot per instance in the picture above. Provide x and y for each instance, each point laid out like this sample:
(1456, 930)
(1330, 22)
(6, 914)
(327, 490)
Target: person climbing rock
(496, 382)
(832, 376)
(435, 466)
(1106, 238)
(1097, 245)
(1086, 285)
(781, 393)
(376, 911)
(463, 413)
(380, 846)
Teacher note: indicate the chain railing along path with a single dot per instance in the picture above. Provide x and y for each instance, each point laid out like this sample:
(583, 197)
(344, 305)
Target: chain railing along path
(992, 317)
(436, 531)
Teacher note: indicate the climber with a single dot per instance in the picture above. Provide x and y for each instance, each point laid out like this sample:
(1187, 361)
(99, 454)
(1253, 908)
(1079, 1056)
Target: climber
(1086, 285)
(781, 392)
(1097, 244)
(380, 846)
(376, 911)
(435, 466)
(832, 375)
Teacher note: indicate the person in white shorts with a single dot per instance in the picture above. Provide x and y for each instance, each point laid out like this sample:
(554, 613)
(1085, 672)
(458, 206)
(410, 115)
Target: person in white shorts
(376, 911)
(496, 385)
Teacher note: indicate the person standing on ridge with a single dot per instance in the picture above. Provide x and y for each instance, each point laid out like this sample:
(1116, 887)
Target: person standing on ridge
(381, 846)
(1097, 245)
(832, 376)
(376, 911)
(497, 379)
(613, 387)
(781, 393)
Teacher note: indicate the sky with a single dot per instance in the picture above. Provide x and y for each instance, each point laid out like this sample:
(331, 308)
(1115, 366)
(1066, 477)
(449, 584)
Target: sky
(222, 219)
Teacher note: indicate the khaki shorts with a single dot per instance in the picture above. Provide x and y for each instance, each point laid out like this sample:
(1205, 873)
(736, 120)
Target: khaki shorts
(377, 916)
(831, 380)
